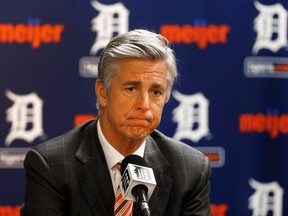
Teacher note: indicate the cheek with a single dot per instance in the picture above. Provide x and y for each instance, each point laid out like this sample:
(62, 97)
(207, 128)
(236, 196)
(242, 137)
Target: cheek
(115, 100)
(120, 108)
(157, 111)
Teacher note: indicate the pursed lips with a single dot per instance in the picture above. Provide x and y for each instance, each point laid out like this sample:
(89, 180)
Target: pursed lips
(141, 122)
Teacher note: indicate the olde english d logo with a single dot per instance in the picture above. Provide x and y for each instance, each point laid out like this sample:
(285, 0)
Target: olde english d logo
(25, 116)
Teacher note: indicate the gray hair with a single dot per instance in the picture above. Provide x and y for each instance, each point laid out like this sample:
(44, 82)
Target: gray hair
(141, 44)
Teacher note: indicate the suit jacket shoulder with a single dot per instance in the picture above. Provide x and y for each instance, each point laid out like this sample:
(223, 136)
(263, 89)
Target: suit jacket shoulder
(71, 173)
(183, 177)
(178, 152)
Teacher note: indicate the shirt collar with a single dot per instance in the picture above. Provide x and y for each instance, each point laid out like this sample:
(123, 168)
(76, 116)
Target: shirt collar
(111, 154)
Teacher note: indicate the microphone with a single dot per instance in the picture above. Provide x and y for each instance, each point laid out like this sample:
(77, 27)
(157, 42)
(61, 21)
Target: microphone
(137, 182)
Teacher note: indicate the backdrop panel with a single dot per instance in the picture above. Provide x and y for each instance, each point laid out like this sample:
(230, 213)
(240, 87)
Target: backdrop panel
(230, 101)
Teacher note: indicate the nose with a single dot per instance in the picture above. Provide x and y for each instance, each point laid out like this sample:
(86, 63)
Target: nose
(143, 102)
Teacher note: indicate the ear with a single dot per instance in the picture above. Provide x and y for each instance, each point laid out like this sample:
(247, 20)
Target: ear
(100, 93)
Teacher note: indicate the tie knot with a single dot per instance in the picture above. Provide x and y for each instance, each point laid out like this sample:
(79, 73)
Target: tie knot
(118, 166)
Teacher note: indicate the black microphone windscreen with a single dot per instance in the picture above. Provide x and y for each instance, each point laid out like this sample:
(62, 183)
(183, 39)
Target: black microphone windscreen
(132, 159)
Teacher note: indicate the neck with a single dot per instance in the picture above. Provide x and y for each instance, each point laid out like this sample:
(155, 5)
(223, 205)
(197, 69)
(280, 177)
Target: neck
(127, 149)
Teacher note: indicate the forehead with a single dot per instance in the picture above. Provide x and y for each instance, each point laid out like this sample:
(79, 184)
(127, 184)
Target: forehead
(141, 68)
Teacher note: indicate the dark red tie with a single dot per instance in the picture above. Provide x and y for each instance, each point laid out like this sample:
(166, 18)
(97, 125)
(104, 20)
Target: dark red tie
(122, 207)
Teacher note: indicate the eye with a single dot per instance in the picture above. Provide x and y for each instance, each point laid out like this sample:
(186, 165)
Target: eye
(130, 89)
(156, 92)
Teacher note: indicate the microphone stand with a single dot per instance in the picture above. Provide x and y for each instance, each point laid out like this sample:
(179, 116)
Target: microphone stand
(140, 193)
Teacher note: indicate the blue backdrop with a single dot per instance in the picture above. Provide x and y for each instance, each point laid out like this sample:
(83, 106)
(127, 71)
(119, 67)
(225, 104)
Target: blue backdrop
(230, 101)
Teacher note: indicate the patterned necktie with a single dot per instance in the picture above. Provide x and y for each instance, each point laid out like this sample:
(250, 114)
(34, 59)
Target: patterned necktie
(122, 207)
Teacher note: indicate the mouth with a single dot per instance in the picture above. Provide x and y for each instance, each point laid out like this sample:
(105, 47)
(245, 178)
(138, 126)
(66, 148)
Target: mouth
(139, 122)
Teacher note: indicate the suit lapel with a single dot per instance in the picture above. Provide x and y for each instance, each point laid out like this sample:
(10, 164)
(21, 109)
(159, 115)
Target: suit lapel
(95, 181)
(155, 159)
(94, 175)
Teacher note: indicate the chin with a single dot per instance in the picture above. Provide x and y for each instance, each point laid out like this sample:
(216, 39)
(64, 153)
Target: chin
(138, 136)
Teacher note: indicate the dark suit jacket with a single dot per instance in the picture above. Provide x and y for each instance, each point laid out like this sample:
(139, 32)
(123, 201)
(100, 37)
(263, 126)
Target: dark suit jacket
(68, 175)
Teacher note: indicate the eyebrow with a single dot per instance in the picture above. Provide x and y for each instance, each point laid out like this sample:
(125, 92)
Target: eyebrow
(134, 83)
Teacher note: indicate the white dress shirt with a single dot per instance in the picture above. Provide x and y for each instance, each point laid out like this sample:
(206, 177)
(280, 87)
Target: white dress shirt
(113, 157)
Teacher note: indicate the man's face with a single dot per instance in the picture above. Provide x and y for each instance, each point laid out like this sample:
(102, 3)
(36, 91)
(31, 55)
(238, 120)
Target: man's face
(133, 106)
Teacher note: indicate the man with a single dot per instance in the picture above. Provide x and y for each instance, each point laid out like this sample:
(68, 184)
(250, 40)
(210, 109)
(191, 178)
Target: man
(76, 175)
